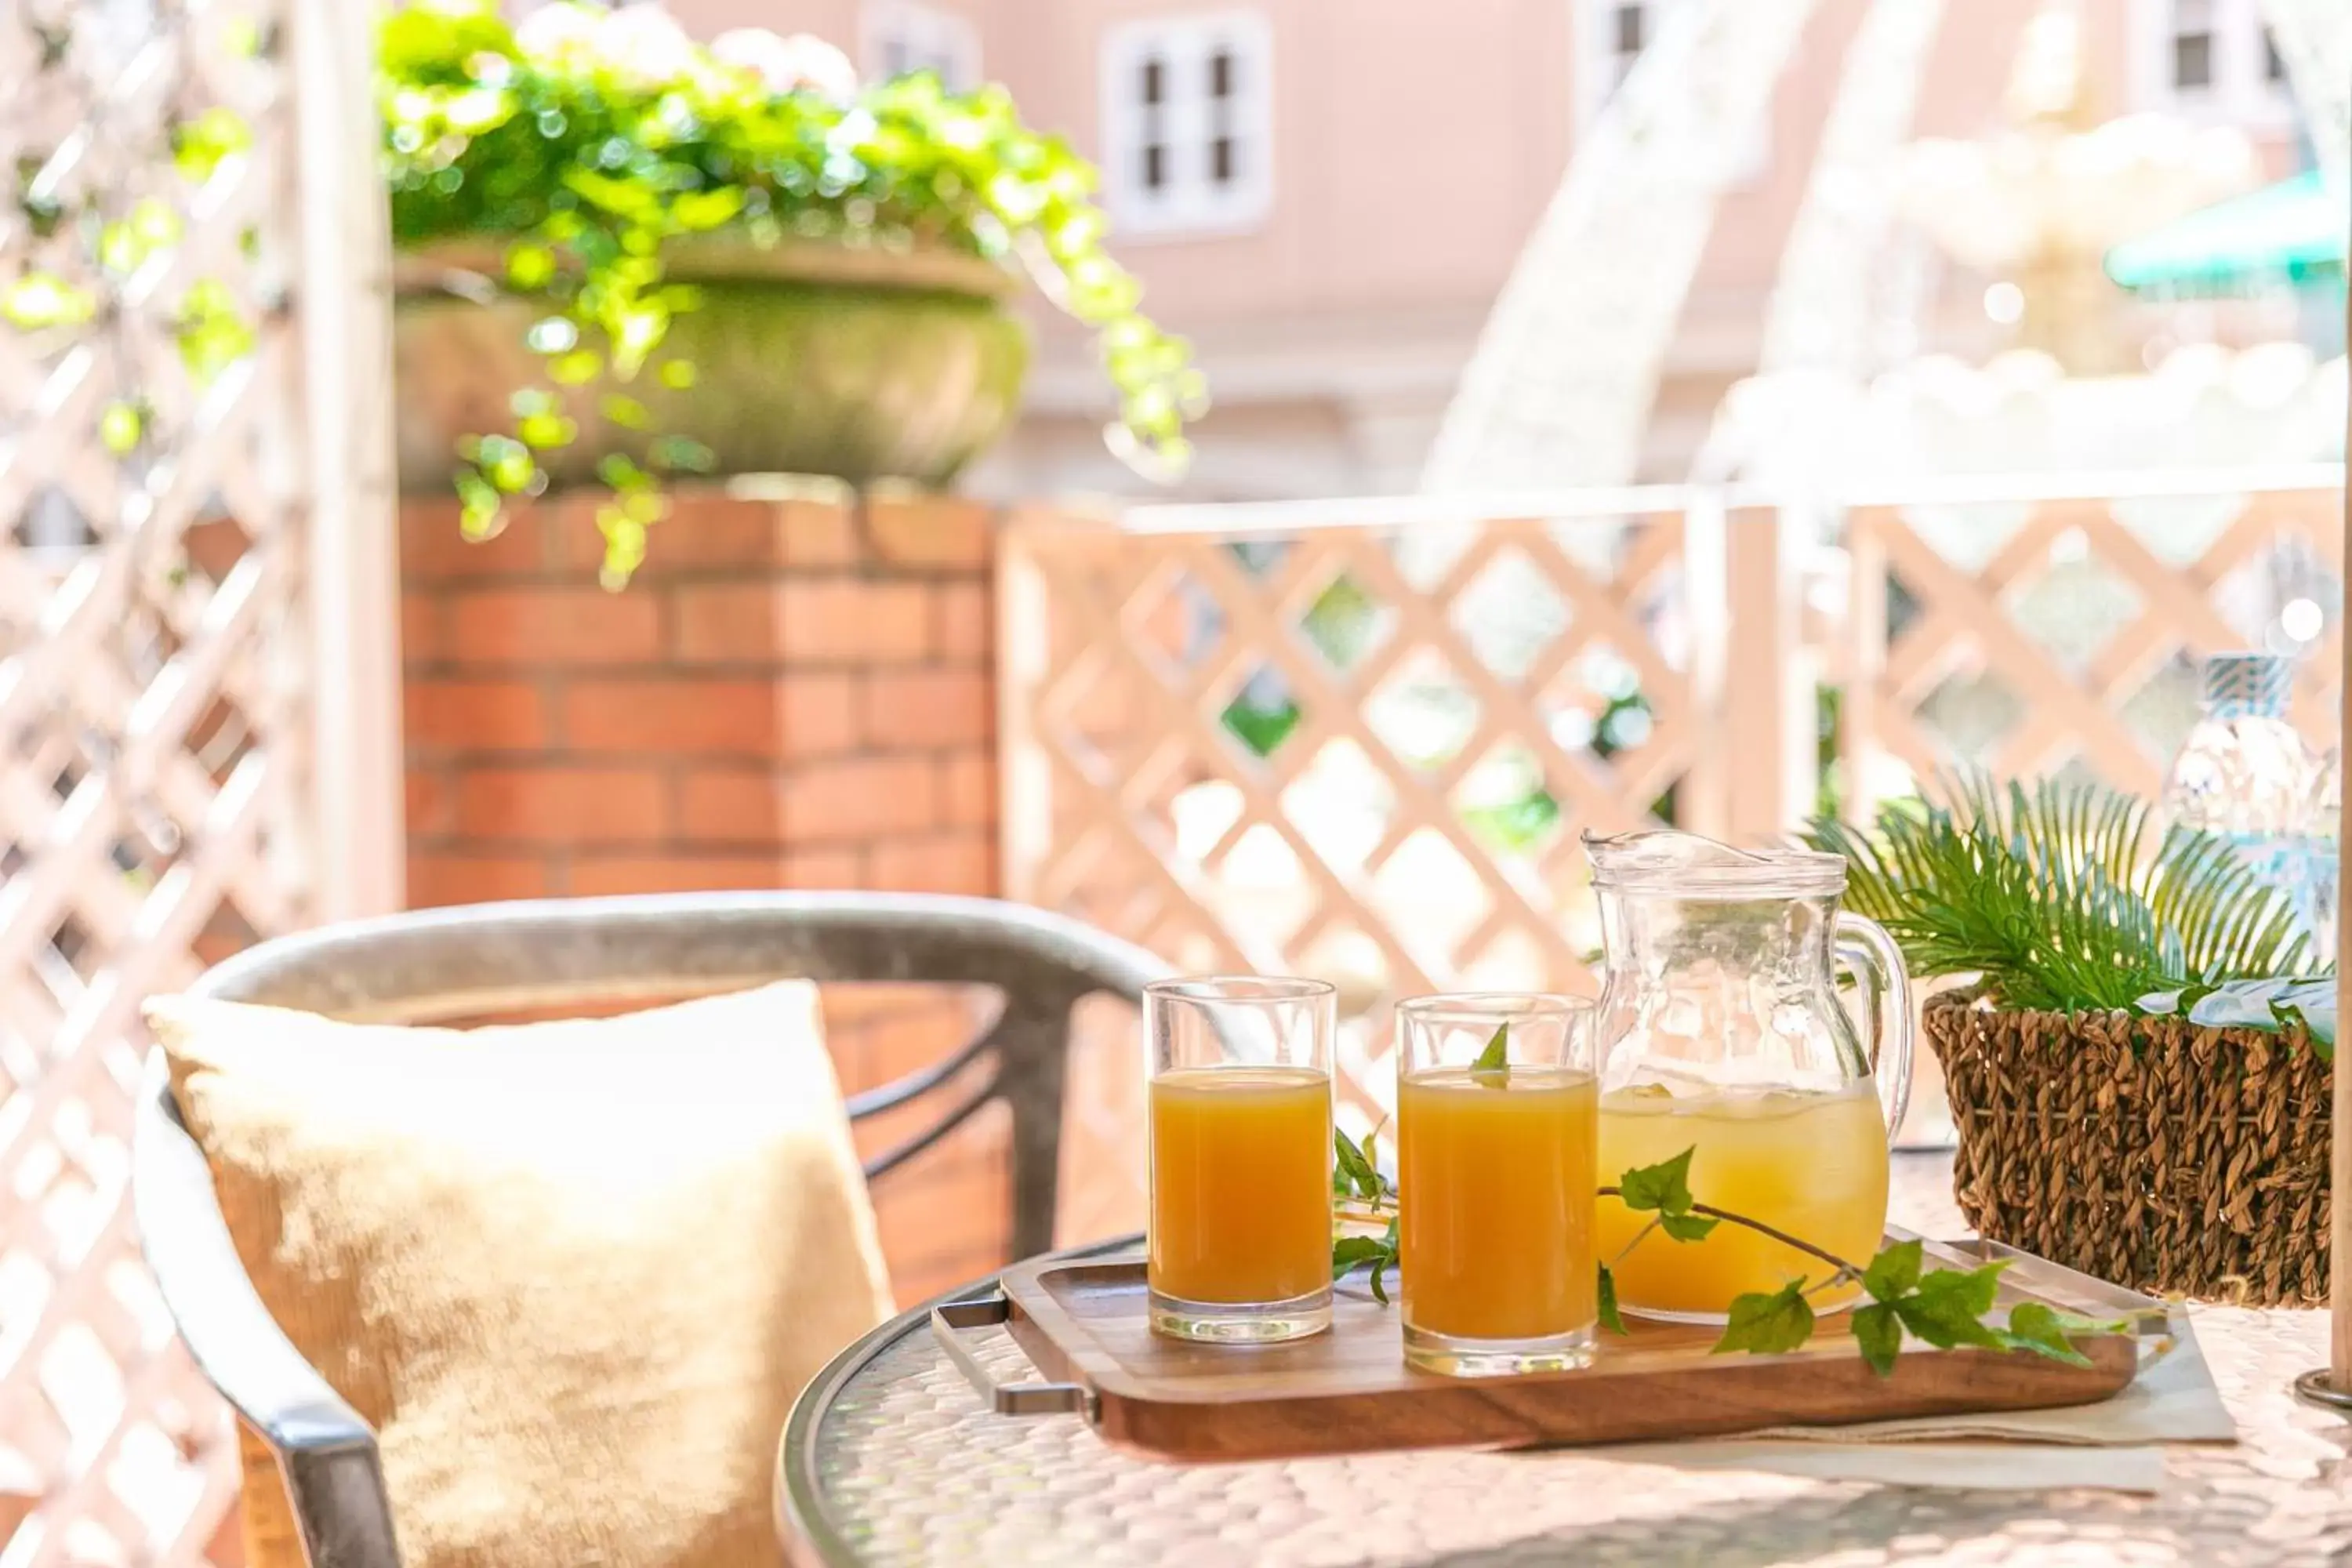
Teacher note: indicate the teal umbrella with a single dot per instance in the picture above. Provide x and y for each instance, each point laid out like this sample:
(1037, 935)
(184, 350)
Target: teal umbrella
(2292, 231)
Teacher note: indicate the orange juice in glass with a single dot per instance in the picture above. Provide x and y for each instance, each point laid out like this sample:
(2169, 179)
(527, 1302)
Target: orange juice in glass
(1495, 1139)
(1239, 1247)
(1809, 1162)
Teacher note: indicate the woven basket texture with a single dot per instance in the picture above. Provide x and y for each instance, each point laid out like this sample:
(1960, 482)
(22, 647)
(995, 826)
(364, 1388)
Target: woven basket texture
(2160, 1155)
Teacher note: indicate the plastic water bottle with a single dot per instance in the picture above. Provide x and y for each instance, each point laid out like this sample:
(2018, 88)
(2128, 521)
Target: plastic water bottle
(2247, 774)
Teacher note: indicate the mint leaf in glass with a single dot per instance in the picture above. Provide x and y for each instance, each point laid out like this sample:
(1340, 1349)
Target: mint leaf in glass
(1493, 1067)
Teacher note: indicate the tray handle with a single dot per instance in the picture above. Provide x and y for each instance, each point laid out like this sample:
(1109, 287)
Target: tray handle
(1004, 1398)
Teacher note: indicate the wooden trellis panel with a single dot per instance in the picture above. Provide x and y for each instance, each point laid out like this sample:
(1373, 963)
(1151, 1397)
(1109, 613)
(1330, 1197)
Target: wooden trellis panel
(1965, 624)
(1359, 844)
(157, 603)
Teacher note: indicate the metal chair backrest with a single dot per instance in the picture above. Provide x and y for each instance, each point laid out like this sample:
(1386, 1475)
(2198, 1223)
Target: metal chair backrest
(443, 964)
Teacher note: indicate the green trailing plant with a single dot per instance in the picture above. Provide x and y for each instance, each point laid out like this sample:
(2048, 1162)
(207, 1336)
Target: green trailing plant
(2069, 898)
(585, 145)
(592, 144)
(1944, 1307)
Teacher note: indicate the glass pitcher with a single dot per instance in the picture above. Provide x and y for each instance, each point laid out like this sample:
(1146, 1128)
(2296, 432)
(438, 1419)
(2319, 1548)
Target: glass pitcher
(1720, 1031)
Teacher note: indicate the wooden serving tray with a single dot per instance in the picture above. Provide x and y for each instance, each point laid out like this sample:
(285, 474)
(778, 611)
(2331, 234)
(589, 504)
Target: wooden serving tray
(1349, 1391)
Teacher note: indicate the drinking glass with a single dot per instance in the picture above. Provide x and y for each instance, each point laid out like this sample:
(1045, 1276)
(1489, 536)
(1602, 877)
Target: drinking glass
(1496, 1172)
(1240, 1241)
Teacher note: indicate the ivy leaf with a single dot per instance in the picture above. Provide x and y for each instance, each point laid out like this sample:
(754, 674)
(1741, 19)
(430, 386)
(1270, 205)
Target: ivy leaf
(1879, 1333)
(1948, 1308)
(1768, 1323)
(1973, 1290)
(1665, 1186)
(2041, 1329)
(1687, 1227)
(1893, 1273)
(1493, 1067)
(1352, 1165)
(1610, 1317)
(1390, 1240)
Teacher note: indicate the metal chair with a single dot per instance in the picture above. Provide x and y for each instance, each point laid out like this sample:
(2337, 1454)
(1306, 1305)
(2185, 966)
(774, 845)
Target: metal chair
(451, 963)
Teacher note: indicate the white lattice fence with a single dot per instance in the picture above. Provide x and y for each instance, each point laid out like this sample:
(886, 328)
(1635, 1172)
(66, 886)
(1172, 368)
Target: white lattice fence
(2061, 634)
(1361, 751)
(155, 637)
(1279, 739)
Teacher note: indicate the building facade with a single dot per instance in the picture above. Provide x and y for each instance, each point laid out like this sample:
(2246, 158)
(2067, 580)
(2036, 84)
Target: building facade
(1324, 196)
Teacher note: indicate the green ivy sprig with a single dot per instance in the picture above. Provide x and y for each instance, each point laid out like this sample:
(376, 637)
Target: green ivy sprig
(1941, 1307)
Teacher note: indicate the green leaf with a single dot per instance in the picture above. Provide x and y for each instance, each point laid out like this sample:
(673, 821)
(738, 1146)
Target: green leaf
(122, 424)
(1879, 1333)
(1769, 1324)
(2053, 893)
(2042, 1329)
(1665, 1186)
(1687, 1227)
(38, 299)
(1948, 1307)
(1496, 1057)
(1973, 1290)
(1894, 1272)
(201, 144)
(626, 411)
(529, 266)
(1354, 1166)
(1354, 1251)
(1610, 1317)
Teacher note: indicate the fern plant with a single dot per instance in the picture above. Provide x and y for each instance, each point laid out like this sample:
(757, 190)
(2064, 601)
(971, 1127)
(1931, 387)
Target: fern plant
(2068, 897)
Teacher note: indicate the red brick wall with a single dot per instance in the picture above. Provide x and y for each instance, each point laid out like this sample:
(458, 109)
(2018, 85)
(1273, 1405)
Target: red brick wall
(790, 694)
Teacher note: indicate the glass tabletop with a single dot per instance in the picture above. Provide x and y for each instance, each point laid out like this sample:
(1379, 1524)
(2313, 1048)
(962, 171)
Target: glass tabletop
(891, 1459)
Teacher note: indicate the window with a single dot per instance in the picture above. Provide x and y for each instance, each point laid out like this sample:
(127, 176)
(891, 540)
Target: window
(1187, 123)
(2211, 60)
(1631, 31)
(2192, 45)
(1611, 36)
(901, 37)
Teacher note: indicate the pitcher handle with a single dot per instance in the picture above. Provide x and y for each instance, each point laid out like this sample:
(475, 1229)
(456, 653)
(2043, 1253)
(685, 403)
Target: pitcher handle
(1863, 946)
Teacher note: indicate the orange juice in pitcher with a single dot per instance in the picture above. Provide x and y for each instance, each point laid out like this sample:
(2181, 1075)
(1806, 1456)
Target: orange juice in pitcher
(1721, 1032)
(1810, 1165)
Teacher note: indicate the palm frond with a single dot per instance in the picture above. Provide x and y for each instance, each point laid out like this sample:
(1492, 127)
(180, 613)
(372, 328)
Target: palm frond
(2053, 896)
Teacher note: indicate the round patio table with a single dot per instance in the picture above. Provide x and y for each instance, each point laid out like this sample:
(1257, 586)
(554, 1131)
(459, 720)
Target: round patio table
(890, 1458)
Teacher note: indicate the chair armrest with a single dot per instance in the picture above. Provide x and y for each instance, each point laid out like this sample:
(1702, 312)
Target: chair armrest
(327, 1453)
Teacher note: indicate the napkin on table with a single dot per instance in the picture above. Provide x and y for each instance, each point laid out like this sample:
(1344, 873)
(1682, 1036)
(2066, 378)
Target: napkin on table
(2108, 1445)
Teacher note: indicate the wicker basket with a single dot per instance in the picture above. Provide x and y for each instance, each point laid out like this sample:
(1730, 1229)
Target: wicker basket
(2155, 1153)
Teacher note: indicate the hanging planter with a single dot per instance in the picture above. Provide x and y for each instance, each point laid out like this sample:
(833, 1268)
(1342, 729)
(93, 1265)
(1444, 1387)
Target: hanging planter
(626, 256)
(808, 358)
